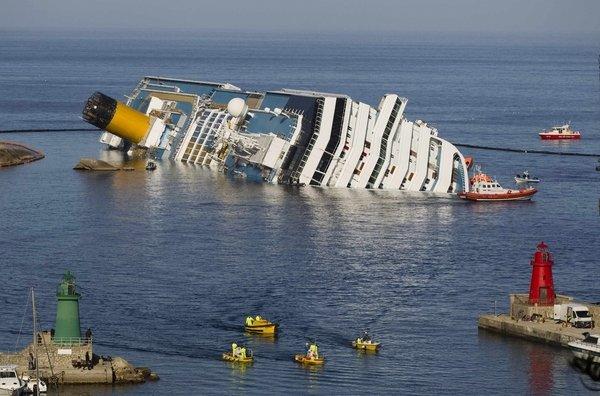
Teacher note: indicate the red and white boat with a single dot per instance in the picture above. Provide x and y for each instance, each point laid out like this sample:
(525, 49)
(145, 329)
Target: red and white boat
(484, 188)
(562, 132)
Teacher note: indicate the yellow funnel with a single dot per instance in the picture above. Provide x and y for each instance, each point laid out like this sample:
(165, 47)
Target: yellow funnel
(116, 117)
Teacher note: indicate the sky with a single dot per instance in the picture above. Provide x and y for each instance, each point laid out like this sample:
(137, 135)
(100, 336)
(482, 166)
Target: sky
(486, 16)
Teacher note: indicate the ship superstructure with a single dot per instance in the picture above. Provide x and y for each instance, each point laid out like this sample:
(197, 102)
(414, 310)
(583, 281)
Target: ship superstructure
(285, 137)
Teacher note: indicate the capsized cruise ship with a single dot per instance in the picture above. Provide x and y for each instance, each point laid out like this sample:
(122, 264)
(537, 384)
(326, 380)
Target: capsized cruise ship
(285, 137)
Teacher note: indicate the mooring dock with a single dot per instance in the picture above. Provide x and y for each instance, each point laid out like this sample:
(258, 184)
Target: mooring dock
(544, 331)
(542, 327)
(539, 315)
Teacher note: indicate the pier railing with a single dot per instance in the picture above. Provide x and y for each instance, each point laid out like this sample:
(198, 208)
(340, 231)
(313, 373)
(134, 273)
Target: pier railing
(72, 341)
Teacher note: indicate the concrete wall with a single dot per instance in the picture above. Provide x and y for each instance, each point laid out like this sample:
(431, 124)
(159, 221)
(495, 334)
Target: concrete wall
(13, 358)
(520, 306)
(545, 332)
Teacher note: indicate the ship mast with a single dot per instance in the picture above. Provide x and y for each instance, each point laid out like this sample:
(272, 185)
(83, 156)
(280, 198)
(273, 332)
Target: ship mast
(35, 341)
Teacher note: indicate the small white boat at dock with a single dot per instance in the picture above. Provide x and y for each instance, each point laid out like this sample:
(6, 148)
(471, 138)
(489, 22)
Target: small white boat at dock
(10, 384)
(587, 349)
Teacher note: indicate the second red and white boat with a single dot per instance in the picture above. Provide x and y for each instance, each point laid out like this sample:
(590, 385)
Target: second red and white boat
(562, 132)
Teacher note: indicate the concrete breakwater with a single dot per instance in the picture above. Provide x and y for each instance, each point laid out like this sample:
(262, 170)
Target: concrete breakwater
(17, 154)
(545, 316)
(536, 323)
(64, 355)
(542, 314)
(73, 362)
(539, 324)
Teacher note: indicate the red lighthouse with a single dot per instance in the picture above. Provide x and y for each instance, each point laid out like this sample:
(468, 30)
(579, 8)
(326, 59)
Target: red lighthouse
(541, 290)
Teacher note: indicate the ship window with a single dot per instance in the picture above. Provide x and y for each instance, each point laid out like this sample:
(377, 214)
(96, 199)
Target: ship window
(7, 374)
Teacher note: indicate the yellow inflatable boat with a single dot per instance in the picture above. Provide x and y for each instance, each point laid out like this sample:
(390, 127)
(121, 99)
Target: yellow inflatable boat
(261, 326)
(303, 359)
(365, 345)
(228, 357)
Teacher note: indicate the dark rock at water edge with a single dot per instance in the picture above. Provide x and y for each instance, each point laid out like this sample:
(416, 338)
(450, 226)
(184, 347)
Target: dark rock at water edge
(92, 164)
(16, 154)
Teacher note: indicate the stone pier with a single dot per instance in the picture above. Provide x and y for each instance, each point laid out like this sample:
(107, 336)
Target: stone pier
(542, 329)
(73, 362)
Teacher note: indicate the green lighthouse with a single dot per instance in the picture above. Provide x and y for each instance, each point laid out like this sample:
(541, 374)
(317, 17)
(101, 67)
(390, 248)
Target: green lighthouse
(66, 327)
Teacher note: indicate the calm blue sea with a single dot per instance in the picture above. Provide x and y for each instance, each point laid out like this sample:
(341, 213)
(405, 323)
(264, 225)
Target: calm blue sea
(170, 262)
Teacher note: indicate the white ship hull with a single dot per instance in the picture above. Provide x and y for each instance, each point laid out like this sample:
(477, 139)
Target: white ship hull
(292, 137)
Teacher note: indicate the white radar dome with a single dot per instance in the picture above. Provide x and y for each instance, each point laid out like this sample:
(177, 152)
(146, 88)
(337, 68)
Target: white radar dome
(237, 107)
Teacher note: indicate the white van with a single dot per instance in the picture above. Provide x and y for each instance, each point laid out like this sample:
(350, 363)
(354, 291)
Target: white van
(577, 314)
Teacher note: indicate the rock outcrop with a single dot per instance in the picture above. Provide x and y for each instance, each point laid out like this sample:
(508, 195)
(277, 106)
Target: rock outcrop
(17, 154)
(92, 164)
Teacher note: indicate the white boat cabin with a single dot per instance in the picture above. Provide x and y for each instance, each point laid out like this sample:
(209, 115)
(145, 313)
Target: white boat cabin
(8, 378)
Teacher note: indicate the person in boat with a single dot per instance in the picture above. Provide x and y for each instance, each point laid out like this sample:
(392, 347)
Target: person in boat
(366, 337)
(249, 320)
(243, 352)
(313, 351)
(233, 348)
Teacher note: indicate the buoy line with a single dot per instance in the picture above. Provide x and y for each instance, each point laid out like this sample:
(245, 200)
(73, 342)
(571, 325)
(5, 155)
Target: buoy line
(525, 151)
(49, 130)
(474, 146)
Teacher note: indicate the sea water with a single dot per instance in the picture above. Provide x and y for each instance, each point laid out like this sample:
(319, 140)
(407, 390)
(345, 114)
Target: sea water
(170, 262)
